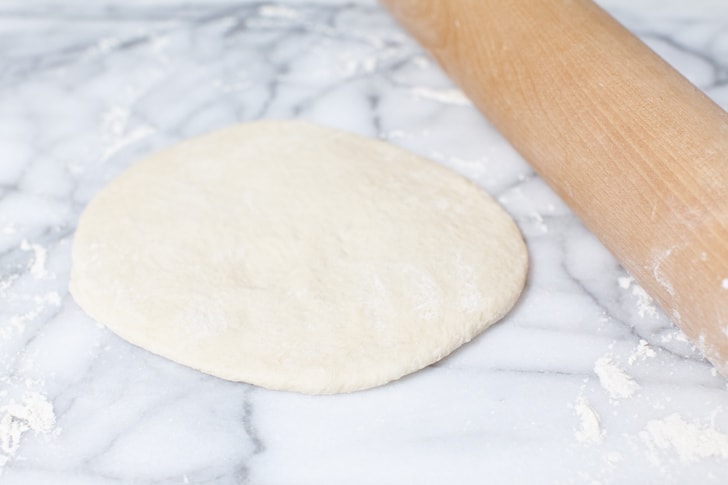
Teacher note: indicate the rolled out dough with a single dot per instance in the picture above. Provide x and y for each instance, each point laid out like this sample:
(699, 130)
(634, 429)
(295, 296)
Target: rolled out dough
(296, 257)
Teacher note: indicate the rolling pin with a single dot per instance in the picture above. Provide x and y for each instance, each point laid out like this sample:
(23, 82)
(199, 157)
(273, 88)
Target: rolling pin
(635, 150)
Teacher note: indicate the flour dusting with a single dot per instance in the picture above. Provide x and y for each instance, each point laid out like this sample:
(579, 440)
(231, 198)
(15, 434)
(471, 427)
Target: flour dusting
(614, 380)
(203, 317)
(724, 284)
(691, 441)
(538, 221)
(468, 293)
(590, 429)
(114, 124)
(659, 274)
(33, 414)
(40, 255)
(445, 96)
(641, 352)
(278, 11)
(676, 335)
(119, 128)
(17, 322)
(424, 293)
(645, 303)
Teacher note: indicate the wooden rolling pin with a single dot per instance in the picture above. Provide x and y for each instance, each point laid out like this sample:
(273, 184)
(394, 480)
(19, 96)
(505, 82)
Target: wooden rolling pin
(638, 153)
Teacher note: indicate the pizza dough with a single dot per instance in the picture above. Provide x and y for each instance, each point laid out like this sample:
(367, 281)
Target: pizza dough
(296, 257)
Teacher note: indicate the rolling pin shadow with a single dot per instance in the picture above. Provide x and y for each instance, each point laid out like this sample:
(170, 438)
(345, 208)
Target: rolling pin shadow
(636, 151)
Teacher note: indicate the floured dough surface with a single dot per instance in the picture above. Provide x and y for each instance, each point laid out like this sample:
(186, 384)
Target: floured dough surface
(296, 257)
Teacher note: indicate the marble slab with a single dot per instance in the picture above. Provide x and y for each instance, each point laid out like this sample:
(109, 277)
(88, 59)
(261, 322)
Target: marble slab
(586, 381)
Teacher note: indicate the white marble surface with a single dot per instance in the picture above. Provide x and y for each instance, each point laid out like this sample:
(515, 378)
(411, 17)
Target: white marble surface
(86, 88)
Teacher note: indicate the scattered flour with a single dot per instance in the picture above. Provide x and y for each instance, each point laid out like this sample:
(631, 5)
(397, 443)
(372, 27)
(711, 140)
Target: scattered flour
(393, 135)
(590, 429)
(40, 255)
(641, 352)
(278, 11)
(724, 284)
(676, 335)
(23, 409)
(614, 380)
(645, 306)
(353, 67)
(625, 282)
(645, 303)
(538, 220)
(614, 457)
(445, 96)
(17, 322)
(117, 136)
(34, 413)
(691, 441)
(421, 61)
(119, 126)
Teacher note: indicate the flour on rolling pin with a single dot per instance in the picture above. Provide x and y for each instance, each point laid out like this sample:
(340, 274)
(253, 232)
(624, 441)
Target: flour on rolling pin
(634, 149)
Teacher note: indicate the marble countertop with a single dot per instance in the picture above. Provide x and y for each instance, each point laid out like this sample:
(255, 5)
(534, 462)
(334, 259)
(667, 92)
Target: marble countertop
(586, 381)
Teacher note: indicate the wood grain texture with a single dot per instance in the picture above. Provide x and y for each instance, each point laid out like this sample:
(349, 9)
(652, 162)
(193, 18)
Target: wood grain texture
(638, 152)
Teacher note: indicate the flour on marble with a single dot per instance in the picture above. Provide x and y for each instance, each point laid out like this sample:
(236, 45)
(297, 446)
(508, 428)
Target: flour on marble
(645, 303)
(614, 457)
(40, 255)
(33, 414)
(421, 62)
(23, 409)
(36, 267)
(675, 334)
(689, 440)
(7, 282)
(393, 135)
(118, 128)
(613, 379)
(539, 221)
(625, 282)
(101, 48)
(445, 96)
(117, 135)
(360, 66)
(279, 11)
(590, 430)
(641, 352)
(17, 322)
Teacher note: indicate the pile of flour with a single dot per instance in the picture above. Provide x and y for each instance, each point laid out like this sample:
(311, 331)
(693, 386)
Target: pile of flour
(671, 436)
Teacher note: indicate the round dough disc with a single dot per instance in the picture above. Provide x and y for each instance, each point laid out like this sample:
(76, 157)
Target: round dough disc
(296, 257)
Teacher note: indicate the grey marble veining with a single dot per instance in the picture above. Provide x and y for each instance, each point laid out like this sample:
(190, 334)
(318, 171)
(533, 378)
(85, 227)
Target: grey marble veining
(87, 88)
